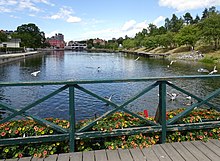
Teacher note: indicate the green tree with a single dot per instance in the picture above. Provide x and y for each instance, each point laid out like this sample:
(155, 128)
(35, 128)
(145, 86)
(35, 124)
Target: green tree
(3, 36)
(196, 20)
(188, 35)
(175, 23)
(210, 28)
(152, 29)
(188, 18)
(167, 24)
(150, 42)
(161, 30)
(205, 14)
(120, 40)
(129, 43)
(167, 40)
(30, 36)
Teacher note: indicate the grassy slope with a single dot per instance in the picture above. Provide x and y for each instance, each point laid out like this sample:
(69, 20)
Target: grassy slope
(210, 55)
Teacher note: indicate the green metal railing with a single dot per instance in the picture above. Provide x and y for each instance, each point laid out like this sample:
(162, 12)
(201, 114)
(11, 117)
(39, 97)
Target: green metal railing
(162, 125)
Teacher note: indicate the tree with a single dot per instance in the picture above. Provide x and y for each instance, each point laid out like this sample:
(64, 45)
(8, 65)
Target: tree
(210, 28)
(167, 24)
(30, 36)
(129, 43)
(188, 35)
(167, 40)
(188, 18)
(3, 36)
(205, 14)
(120, 40)
(196, 20)
(152, 29)
(175, 23)
(161, 30)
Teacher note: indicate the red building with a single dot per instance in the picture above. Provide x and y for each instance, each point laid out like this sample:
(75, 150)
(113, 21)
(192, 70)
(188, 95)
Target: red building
(57, 41)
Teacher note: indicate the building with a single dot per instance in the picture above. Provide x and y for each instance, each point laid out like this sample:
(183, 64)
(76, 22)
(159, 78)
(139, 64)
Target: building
(13, 43)
(57, 41)
(99, 41)
(76, 45)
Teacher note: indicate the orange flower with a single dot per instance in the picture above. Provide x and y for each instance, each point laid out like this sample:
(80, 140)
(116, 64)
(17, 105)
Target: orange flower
(45, 152)
(36, 128)
(3, 133)
(7, 128)
(200, 137)
(20, 155)
(35, 155)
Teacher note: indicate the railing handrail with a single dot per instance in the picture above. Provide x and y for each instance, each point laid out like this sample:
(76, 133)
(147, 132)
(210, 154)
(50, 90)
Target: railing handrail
(72, 81)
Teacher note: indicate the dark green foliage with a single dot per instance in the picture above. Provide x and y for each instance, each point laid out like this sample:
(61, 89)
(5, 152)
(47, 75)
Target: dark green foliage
(188, 18)
(30, 36)
(3, 37)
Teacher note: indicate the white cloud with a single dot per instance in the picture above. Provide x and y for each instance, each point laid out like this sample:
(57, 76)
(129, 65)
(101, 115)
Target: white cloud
(44, 1)
(3, 9)
(14, 5)
(183, 5)
(73, 19)
(65, 13)
(129, 28)
(13, 16)
(141, 25)
(25, 4)
(128, 25)
(158, 20)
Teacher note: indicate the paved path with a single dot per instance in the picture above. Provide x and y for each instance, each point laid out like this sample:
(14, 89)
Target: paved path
(184, 151)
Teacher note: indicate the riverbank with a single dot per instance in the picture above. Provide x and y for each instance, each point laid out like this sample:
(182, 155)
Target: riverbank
(6, 58)
(201, 53)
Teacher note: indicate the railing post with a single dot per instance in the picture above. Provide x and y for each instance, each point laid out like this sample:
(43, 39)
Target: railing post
(162, 110)
(72, 119)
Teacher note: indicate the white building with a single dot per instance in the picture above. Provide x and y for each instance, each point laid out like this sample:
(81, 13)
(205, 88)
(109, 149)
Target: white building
(13, 43)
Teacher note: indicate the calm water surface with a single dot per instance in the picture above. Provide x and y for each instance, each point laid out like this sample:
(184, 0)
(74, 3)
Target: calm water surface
(68, 65)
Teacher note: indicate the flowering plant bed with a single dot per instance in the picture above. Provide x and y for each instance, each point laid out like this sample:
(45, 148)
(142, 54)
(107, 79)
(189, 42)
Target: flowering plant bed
(118, 120)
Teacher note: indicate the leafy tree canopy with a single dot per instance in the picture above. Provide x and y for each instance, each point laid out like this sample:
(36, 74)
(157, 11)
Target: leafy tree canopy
(30, 35)
(3, 37)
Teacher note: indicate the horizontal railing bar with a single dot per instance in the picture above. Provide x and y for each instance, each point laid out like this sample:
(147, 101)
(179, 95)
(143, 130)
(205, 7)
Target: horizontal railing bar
(34, 139)
(115, 132)
(147, 129)
(73, 82)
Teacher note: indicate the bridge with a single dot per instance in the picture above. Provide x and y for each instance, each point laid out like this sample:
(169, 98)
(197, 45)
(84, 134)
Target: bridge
(161, 125)
(76, 47)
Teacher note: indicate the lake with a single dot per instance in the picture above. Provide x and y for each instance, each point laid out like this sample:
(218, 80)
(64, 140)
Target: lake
(68, 65)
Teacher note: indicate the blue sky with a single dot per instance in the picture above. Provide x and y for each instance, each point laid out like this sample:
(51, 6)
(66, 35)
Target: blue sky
(84, 19)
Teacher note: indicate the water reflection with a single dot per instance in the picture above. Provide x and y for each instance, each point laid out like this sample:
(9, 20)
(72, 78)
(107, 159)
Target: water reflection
(59, 65)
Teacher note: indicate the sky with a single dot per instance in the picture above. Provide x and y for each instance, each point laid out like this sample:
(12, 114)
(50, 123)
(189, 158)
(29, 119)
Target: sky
(104, 19)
